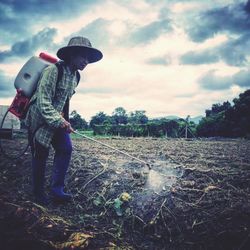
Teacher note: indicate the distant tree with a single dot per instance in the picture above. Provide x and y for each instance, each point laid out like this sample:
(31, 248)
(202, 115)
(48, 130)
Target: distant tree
(217, 108)
(226, 119)
(238, 117)
(213, 125)
(77, 122)
(138, 117)
(170, 128)
(99, 119)
(155, 129)
(120, 116)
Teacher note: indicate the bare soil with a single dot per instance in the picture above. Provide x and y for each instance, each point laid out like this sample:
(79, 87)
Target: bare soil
(195, 197)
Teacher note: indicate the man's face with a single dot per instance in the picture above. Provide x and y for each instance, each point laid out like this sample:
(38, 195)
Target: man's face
(80, 61)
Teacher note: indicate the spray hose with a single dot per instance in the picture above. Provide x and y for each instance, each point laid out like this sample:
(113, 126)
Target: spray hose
(115, 149)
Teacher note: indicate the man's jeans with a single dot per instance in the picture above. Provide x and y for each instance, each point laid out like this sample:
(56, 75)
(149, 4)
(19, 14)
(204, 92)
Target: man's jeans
(62, 145)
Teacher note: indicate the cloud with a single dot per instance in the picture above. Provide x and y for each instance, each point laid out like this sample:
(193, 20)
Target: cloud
(7, 85)
(149, 32)
(232, 20)
(200, 57)
(242, 78)
(229, 19)
(18, 18)
(247, 6)
(233, 52)
(186, 95)
(97, 90)
(43, 39)
(97, 31)
(211, 81)
(159, 61)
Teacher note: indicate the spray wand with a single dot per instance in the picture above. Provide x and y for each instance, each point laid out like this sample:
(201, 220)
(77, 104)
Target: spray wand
(115, 149)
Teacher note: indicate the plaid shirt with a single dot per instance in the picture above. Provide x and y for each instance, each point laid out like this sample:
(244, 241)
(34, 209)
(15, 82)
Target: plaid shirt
(44, 115)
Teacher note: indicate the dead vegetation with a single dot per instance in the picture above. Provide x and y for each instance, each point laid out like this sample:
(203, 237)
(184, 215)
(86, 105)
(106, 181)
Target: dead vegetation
(196, 197)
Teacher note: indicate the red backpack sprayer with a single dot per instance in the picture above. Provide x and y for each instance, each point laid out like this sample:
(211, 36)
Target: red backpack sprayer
(12, 128)
(26, 82)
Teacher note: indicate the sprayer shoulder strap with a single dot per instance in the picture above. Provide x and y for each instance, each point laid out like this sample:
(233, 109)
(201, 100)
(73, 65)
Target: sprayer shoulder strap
(59, 66)
(60, 72)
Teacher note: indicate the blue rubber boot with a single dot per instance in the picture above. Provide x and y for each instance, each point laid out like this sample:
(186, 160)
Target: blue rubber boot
(59, 195)
(63, 149)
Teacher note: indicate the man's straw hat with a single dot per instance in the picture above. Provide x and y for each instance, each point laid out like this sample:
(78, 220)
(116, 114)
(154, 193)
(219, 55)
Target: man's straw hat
(84, 46)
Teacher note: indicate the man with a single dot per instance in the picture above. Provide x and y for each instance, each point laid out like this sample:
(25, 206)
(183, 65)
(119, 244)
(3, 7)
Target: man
(47, 117)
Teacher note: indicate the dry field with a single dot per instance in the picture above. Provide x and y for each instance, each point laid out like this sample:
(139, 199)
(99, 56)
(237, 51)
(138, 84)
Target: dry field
(195, 197)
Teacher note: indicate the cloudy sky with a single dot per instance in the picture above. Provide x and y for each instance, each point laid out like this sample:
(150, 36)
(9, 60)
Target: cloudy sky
(168, 57)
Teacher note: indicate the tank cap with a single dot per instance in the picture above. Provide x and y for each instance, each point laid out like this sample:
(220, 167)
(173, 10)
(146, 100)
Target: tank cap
(47, 57)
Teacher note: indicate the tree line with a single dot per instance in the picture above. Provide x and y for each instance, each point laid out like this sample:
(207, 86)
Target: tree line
(226, 119)
(134, 124)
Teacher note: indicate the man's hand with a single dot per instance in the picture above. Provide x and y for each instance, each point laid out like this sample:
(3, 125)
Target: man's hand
(67, 126)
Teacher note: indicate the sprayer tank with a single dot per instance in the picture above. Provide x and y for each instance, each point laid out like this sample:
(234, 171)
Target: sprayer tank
(29, 74)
